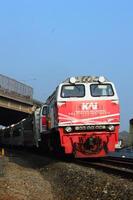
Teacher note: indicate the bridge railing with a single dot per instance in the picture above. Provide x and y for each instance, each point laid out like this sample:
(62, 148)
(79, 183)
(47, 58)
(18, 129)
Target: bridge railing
(15, 88)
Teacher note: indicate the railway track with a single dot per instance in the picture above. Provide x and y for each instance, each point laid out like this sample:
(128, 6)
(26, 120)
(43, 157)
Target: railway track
(118, 166)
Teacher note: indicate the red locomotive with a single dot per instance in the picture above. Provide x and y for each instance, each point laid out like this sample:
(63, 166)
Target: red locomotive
(82, 117)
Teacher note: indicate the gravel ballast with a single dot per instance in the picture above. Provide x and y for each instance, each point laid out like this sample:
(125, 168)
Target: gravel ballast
(30, 177)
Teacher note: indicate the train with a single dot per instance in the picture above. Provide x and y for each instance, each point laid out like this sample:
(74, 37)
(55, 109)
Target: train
(80, 118)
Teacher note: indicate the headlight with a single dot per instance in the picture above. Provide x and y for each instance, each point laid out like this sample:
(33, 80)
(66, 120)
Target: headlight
(101, 79)
(111, 127)
(68, 129)
(80, 128)
(72, 80)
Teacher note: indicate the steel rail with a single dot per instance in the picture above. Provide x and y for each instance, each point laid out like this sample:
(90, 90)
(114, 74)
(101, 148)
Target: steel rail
(120, 169)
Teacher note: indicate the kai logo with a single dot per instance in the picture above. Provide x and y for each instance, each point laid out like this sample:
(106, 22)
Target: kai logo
(89, 106)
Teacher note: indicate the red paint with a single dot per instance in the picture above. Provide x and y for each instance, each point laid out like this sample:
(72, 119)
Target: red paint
(88, 112)
(44, 120)
(100, 112)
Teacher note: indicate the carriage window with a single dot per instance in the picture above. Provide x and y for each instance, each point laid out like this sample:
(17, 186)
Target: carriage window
(73, 91)
(98, 90)
(44, 110)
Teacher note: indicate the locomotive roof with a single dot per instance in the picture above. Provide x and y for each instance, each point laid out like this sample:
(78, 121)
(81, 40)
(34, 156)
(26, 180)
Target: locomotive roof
(86, 79)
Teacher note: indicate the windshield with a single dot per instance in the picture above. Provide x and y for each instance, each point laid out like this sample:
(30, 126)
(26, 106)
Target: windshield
(98, 90)
(72, 91)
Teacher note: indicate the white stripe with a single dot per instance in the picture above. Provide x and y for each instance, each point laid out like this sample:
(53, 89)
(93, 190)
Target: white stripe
(100, 117)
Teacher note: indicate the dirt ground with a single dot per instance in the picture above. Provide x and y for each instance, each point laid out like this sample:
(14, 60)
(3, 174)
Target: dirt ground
(28, 176)
(20, 182)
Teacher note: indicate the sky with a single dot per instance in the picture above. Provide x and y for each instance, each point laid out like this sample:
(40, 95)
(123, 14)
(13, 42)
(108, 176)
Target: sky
(42, 42)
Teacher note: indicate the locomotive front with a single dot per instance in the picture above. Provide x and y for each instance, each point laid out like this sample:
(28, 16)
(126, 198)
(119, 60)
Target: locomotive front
(88, 116)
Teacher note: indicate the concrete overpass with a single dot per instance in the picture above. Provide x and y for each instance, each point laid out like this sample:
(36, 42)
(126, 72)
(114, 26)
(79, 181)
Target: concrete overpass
(16, 101)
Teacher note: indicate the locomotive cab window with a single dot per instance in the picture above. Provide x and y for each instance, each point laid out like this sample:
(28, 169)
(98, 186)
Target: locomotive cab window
(99, 90)
(73, 91)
